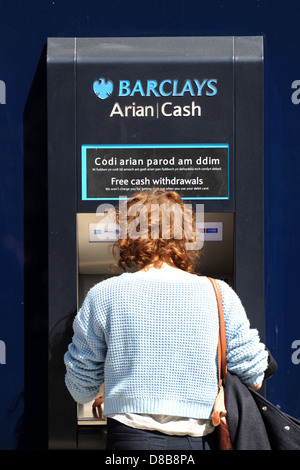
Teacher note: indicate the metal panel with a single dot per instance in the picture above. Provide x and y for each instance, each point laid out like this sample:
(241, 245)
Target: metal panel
(62, 235)
(249, 222)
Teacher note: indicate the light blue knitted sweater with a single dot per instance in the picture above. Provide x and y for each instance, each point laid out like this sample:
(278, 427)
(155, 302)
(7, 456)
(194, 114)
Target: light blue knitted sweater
(154, 344)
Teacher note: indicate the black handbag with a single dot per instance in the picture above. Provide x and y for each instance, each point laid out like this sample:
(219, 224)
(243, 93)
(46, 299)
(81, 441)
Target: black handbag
(253, 422)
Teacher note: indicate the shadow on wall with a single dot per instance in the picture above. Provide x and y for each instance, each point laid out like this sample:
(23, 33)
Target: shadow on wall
(44, 350)
(33, 427)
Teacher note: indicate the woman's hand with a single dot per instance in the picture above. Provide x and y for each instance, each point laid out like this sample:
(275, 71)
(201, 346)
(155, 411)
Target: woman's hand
(98, 408)
(256, 387)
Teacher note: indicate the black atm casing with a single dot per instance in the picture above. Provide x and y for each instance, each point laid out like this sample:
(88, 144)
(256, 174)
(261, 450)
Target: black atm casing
(78, 118)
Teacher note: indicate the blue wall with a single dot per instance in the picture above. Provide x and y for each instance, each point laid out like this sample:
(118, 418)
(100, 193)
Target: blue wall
(24, 28)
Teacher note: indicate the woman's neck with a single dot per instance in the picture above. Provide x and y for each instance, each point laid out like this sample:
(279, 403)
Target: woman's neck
(164, 270)
(158, 267)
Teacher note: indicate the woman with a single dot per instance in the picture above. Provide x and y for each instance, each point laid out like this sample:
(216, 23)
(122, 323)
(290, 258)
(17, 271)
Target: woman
(152, 335)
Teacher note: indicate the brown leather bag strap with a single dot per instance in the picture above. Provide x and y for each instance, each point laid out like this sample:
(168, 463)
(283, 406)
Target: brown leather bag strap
(222, 332)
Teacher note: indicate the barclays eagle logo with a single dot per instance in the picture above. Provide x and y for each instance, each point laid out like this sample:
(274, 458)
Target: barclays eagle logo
(103, 89)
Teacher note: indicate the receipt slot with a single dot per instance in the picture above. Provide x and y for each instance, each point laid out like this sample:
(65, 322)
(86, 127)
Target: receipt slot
(130, 114)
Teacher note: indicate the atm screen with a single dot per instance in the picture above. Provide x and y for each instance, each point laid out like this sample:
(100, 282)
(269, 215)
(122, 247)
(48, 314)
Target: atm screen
(198, 171)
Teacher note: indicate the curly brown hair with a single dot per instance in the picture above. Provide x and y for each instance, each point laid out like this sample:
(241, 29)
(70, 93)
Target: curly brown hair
(156, 227)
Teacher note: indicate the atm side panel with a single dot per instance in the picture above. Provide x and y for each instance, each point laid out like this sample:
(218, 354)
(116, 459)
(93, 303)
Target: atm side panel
(62, 282)
(249, 215)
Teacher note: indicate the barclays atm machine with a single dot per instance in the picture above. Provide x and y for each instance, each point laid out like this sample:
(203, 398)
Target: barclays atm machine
(129, 114)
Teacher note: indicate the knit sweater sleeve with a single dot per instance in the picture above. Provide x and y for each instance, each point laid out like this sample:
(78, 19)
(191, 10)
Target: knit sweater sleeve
(85, 357)
(247, 357)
